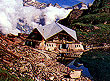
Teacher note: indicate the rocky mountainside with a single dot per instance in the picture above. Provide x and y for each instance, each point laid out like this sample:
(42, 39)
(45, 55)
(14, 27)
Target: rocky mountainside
(92, 25)
(74, 14)
(100, 6)
(23, 27)
(77, 11)
(80, 6)
(38, 4)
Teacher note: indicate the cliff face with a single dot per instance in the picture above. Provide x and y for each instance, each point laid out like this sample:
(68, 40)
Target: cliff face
(77, 11)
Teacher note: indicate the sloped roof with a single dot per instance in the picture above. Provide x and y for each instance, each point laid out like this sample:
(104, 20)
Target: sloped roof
(69, 31)
(50, 30)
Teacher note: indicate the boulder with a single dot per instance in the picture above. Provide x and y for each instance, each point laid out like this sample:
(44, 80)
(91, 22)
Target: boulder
(75, 74)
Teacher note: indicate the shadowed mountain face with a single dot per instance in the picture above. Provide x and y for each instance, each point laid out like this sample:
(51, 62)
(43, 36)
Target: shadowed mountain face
(74, 14)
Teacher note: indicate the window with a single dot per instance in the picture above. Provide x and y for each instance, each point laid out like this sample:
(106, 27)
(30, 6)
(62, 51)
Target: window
(75, 46)
(47, 44)
(33, 36)
(31, 43)
(63, 46)
(27, 42)
(79, 45)
(52, 45)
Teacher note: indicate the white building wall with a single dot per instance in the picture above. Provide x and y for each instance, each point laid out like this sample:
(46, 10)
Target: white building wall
(76, 47)
(50, 46)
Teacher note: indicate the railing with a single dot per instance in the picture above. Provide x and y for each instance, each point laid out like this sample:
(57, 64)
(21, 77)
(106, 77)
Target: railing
(100, 47)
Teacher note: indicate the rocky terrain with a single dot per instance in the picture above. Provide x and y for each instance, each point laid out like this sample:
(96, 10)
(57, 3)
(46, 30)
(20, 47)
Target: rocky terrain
(38, 4)
(24, 61)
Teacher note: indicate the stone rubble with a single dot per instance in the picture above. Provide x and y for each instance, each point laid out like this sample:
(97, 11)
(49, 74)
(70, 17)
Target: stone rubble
(26, 61)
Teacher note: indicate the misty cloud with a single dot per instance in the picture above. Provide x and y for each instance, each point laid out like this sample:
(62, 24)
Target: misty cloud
(13, 10)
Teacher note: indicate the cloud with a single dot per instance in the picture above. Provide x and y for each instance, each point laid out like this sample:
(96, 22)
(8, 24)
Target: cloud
(13, 10)
(52, 14)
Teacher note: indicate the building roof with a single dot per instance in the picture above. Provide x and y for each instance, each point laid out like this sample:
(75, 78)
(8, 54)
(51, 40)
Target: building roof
(50, 30)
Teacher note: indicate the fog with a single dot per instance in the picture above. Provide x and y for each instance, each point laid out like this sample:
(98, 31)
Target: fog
(13, 10)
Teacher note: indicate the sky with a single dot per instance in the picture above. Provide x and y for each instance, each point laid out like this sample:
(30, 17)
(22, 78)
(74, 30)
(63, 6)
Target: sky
(66, 3)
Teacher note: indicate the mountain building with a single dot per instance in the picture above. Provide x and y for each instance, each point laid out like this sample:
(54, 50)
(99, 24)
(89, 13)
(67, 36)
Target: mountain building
(54, 37)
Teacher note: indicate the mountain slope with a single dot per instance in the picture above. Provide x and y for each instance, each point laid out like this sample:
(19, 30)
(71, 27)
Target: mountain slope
(99, 4)
(93, 25)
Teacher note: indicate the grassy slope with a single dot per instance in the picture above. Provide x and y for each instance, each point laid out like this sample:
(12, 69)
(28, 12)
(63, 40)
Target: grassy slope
(84, 25)
(87, 34)
(94, 16)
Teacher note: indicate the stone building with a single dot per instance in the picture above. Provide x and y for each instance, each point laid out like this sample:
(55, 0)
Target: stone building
(54, 37)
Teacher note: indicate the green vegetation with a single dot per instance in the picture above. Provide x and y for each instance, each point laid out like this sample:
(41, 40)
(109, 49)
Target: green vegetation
(93, 26)
(6, 76)
(98, 63)
(87, 22)
(89, 35)
(94, 18)
(98, 5)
